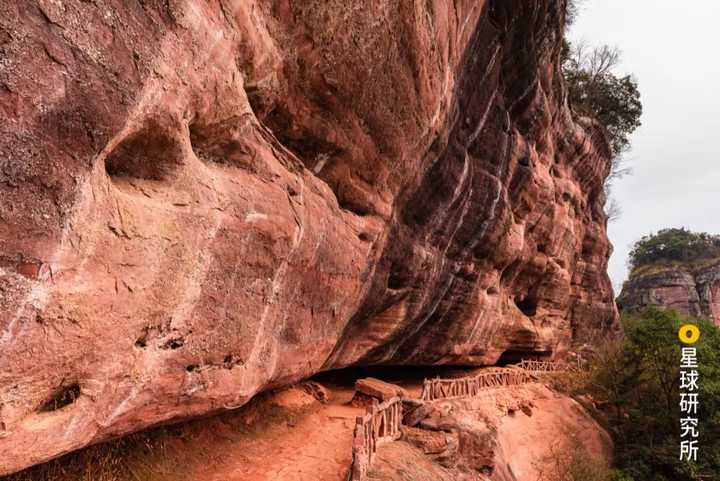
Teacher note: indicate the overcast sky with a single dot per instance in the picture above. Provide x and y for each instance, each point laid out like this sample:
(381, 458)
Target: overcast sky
(672, 48)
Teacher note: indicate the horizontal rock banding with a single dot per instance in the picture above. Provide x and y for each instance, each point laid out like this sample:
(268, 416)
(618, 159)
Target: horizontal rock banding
(692, 290)
(202, 201)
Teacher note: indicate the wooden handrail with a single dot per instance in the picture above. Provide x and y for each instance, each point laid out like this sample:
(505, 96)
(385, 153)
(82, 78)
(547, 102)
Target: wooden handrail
(381, 423)
(541, 366)
(471, 386)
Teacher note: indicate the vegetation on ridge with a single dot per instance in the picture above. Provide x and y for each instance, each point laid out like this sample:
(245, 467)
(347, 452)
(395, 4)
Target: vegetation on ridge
(673, 245)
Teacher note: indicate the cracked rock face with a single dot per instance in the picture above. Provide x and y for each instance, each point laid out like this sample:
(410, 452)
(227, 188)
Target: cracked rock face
(692, 291)
(202, 200)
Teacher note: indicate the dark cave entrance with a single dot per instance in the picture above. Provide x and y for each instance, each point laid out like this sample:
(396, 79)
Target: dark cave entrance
(528, 305)
(513, 356)
(400, 375)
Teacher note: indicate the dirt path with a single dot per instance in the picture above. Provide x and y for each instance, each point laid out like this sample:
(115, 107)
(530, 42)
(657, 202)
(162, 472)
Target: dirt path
(288, 436)
(317, 447)
(300, 440)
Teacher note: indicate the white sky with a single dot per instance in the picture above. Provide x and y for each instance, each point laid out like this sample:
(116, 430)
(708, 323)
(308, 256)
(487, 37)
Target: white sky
(673, 49)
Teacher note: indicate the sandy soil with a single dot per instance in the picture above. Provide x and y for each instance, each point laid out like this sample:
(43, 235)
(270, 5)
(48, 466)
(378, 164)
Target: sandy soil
(299, 439)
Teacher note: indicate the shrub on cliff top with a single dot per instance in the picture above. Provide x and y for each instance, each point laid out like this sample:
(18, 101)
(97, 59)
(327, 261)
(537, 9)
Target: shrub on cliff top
(668, 245)
(594, 90)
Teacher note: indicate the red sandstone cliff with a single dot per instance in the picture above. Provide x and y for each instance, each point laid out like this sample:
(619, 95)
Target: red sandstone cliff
(201, 200)
(692, 290)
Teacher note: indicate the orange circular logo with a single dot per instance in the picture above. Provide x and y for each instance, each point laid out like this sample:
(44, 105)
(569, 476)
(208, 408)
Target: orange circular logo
(689, 334)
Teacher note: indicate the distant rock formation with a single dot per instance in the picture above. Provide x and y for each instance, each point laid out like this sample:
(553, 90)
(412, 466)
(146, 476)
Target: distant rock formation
(691, 289)
(203, 200)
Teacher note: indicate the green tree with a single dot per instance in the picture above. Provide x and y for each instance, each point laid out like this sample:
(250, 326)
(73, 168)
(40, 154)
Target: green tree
(674, 245)
(637, 380)
(594, 90)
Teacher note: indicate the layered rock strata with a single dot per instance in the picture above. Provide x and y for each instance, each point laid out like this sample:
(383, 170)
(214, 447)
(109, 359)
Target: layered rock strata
(202, 200)
(690, 290)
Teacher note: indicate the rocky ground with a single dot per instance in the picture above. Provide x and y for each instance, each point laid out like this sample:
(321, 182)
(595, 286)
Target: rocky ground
(506, 434)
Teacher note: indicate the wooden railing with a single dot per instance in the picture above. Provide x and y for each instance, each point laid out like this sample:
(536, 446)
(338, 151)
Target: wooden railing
(470, 386)
(380, 424)
(541, 366)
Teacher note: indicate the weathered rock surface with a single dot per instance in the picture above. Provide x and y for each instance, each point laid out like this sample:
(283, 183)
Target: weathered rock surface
(201, 200)
(692, 291)
(506, 434)
(379, 389)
